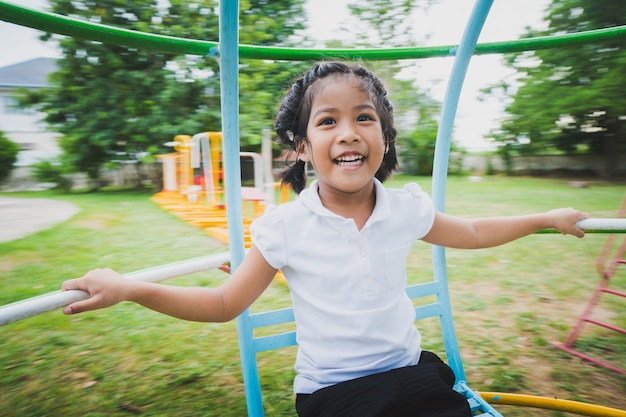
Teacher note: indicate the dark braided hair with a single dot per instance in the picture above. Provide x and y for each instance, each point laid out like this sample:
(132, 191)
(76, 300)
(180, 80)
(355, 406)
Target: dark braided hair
(293, 116)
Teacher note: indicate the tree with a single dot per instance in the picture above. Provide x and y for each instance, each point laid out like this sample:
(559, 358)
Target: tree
(571, 98)
(112, 102)
(8, 156)
(263, 82)
(389, 24)
(385, 22)
(417, 145)
(109, 101)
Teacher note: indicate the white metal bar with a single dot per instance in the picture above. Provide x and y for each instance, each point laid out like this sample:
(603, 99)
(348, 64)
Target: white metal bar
(603, 224)
(48, 302)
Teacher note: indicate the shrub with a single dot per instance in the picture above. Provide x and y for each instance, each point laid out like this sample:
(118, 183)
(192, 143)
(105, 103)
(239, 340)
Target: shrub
(8, 156)
(52, 171)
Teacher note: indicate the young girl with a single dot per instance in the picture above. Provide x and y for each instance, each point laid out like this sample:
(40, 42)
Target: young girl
(342, 246)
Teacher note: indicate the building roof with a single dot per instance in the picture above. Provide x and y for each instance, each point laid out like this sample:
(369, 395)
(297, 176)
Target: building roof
(33, 73)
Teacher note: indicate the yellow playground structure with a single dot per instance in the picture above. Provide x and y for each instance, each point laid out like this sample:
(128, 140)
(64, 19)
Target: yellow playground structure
(193, 186)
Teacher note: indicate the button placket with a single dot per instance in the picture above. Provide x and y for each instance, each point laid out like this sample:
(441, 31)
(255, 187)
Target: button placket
(365, 265)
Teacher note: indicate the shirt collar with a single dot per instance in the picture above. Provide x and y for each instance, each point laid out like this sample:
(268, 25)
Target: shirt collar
(311, 199)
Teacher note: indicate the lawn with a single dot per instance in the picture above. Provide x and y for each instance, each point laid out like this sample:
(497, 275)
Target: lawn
(509, 303)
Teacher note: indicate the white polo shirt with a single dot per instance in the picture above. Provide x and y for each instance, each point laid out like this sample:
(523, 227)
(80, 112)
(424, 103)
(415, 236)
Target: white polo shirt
(353, 317)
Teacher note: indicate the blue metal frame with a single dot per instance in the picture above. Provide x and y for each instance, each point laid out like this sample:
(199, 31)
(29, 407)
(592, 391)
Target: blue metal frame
(229, 94)
(229, 18)
(440, 167)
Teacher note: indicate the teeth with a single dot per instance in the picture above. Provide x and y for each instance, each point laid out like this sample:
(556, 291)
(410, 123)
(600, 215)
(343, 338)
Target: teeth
(350, 159)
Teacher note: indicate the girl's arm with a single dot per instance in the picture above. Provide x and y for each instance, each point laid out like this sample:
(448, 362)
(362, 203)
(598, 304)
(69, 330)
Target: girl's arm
(461, 233)
(106, 288)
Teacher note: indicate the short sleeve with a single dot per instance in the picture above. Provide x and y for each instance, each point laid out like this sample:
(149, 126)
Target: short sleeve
(425, 210)
(267, 233)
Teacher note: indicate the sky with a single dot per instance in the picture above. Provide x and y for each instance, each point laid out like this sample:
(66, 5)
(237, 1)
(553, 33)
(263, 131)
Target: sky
(444, 24)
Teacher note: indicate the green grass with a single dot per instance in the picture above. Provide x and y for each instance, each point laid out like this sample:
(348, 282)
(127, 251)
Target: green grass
(509, 302)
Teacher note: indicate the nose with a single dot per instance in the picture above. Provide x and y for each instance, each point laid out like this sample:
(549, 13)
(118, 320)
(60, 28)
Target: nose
(348, 133)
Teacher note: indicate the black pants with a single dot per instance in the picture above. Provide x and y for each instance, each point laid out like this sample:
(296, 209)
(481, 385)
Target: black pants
(422, 390)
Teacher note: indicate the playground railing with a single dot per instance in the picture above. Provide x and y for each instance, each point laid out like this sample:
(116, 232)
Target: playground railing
(74, 27)
(34, 306)
(37, 305)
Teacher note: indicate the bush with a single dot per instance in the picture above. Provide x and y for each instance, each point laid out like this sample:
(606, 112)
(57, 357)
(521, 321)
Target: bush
(8, 156)
(52, 171)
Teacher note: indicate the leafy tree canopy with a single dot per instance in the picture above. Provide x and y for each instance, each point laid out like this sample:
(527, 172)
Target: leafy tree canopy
(110, 101)
(571, 98)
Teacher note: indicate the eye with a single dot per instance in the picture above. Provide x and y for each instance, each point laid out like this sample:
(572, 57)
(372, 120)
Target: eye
(364, 118)
(326, 122)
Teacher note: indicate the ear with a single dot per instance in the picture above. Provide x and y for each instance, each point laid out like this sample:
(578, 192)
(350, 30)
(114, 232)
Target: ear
(303, 151)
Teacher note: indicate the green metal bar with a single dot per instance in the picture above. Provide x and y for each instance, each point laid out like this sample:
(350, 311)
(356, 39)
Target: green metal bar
(63, 25)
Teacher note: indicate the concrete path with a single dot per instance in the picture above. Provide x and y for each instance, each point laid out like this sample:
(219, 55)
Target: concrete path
(20, 217)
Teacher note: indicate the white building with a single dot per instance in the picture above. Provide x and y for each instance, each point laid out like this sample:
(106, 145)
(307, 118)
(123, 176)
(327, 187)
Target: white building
(25, 126)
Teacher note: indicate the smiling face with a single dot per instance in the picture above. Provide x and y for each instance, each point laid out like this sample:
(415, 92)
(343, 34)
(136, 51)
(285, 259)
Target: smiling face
(345, 141)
